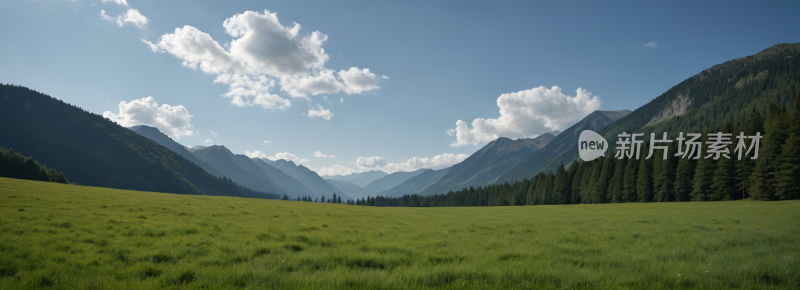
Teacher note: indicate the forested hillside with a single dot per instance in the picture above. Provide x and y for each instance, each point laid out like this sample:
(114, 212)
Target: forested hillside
(774, 174)
(724, 93)
(93, 150)
(14, 165)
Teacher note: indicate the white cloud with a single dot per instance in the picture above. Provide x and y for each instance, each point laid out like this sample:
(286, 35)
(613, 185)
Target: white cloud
(323, 82)
(341, 100)
(322, 113)
(266, 142)
(262, 51)
(215, 134)
(436, 162)
(255, 154)
(304, 160)
(105, 16)
(359, 80)
(651, 45)
(119, 2)
(527, 114)
(282, 155)
(320, 155)
(171, 120)
(131, 16)
(334, 170)
(415, 163)
(208, 140)
(151, 45)
(370, 162)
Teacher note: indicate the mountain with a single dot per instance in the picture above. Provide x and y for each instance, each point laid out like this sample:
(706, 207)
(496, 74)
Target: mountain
(487, 164)
(415, 184)
(250, 175)
(308, 178)
(391, 180)
(724, 93)
(567, 140)
(92, 150)
(292, 186)
(361, 179)
(349, 189)
(160, 138)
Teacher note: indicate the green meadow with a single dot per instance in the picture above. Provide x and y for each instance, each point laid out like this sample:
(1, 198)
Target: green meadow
(76, 237)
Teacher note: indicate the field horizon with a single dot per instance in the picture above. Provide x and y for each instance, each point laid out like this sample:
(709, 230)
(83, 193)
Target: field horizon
(69, 236)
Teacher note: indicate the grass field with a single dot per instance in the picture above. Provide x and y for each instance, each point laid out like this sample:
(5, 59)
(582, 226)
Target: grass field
(66, 236)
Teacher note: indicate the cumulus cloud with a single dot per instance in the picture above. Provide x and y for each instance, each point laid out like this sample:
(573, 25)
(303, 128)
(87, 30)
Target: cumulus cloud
(266, 142)
(282, 155)
(119, 2)
(359, 80)
(321, 112)
(415, 163)
(171, 120)
(131, 16)
(370, 162)
(322, 83)
(304, 160)
(208, 141)
(334, 170)
(527, 114)
(255, 154)
(651, 45)
(215, 134)
(262, 51)
(320, 155)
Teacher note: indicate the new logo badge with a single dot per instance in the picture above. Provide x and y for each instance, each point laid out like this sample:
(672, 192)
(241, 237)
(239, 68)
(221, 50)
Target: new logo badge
(591, 145)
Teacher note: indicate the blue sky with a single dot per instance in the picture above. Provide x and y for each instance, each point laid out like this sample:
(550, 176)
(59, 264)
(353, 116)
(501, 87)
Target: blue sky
(430, 64)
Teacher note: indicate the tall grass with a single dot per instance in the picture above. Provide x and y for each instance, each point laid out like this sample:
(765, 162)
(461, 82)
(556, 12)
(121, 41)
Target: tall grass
(66, 236)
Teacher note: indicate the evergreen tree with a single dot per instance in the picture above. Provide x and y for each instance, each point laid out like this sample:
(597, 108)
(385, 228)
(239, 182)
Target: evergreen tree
(615, 188)
(601, 189)
(285, 197)
(683, 179)
(629, 181)
(774, 137)
(723, 184)
(560, 187)
(704, 172)
(787, 175)
(644, 179)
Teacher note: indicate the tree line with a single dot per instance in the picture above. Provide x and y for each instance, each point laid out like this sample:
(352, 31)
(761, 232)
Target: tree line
(15, 165)
(773, 175)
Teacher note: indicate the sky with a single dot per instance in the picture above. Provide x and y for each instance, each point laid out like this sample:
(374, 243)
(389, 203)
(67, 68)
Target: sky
(353, 86)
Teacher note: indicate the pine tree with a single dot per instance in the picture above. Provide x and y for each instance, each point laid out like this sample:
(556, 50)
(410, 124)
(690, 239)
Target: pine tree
(644, 179)
(601, 189)
(664, 174)
(787, 175)
(615, 188)
(683, 179)
(629, 181)
(723, 184)
(703, 173)
(560, 186)
(774, 137)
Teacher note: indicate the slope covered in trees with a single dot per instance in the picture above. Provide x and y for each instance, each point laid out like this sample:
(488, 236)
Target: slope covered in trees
(773, 175)
(95, 151)
(724, 93)
(565, 141)
(14, 165)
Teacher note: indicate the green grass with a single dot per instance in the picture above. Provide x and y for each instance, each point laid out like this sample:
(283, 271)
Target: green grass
(66, 236)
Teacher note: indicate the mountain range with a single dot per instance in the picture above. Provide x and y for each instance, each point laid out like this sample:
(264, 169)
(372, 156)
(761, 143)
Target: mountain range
(92, 150)
(488, 163)
(362, 179)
